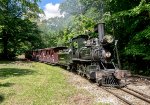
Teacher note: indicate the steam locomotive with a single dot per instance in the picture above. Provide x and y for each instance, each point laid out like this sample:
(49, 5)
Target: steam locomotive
(90, 57)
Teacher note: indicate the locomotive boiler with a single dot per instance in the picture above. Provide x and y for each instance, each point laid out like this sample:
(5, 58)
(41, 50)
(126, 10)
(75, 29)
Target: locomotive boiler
(94, 58)
(90, 57)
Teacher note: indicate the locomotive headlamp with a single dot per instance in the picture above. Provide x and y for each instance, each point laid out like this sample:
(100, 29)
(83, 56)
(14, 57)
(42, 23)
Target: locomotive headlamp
(108, 54)
(108, 39)
(85, 42)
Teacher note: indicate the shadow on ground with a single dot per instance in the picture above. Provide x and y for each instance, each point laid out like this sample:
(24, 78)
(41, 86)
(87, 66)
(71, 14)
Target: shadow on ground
(1, 98)
(6, 84)
(6, 62)
(16, 61)
(9, 72)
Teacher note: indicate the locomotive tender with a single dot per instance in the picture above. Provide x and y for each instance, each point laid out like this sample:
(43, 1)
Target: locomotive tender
(90, 57)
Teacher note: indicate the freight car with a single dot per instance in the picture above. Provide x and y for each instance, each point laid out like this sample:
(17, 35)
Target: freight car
(90, 57)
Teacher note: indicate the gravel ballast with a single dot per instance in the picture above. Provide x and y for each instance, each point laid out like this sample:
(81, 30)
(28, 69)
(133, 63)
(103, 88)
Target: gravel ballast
(101, 96)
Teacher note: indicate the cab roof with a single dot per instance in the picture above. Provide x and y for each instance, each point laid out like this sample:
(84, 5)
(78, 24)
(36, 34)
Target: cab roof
(81, 36)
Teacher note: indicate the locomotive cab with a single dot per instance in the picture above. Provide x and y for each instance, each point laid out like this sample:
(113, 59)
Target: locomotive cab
(76, 44)
(90, 57)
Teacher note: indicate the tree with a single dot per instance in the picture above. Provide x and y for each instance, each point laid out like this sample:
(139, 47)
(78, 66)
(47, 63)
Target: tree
(16, 27)
(52, 30)
(131, 20)
(127, 20)
(82, 15)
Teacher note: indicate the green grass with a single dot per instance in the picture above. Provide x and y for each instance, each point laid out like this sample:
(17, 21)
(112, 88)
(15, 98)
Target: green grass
(29, 83)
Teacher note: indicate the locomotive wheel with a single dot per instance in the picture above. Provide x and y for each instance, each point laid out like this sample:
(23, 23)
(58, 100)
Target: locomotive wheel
(88, 77)
(99, 82)
(68, 68)
(83, 75)
(78, 69)
(78, 72)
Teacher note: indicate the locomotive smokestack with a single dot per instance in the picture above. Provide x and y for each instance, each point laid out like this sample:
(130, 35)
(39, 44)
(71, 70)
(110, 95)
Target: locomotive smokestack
(100, 31)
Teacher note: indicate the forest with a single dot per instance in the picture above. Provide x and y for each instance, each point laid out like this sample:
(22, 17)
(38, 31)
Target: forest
(23, 29)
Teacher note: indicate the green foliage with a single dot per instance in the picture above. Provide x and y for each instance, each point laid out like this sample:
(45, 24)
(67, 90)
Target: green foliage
(17, 32)
(82, 18)
(72, 7)
(130, 21)
(53, 31)
(59, 30)
(127, 20)
(82, 25)
(140, 44)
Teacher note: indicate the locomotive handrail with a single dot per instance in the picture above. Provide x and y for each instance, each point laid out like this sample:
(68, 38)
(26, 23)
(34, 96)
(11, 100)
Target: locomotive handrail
(97, 52)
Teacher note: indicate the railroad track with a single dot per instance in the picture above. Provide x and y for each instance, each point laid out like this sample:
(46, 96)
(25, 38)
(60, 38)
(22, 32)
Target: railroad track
(132, 92)
(139, 76)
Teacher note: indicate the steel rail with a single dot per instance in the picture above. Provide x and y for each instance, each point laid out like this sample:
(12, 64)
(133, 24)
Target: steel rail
(138, 96)
(124, 100)
(139, 76)
(144, 95)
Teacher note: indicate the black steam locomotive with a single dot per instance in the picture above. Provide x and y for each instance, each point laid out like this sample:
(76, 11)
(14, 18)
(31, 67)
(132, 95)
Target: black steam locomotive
(90, 57)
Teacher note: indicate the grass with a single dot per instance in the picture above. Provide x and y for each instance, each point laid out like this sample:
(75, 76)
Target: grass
(29, 83)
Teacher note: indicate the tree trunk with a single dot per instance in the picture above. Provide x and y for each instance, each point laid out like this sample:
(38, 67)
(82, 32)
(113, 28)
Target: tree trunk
(5, 44)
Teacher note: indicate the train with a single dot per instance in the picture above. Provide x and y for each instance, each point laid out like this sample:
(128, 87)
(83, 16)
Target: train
(89, 57)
